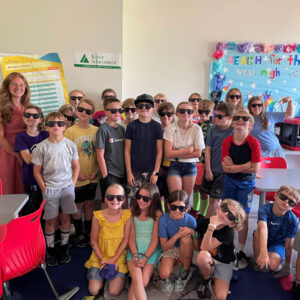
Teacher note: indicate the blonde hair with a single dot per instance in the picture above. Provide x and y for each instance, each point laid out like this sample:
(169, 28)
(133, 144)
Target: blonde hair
(55, 115)
(240, 104)
(128, 102)
(77, 91)
(67, 107)
(262, 115)
(238, 212)
(206, 104)
(181, 103)
(245, 111)
(191, 96)
(5, 97)
(291, 191)
(160, 95)
(89, 102)
(115, 186)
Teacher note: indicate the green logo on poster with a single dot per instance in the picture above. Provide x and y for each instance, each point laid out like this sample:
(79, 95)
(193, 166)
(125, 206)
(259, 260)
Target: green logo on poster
(84, 59)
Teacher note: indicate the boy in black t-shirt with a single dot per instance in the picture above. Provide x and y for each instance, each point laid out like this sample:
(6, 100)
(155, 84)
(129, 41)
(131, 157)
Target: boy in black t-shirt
(216, 255)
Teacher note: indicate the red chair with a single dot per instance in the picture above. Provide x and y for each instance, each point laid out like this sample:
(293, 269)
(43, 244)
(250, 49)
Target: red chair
(0, 187)
(271, 163)
(23, 249)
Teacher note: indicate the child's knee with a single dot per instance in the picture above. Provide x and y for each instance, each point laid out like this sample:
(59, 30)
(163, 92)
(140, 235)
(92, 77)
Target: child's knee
(186, 241)
(164, 273)
(94, 288)
(203, 258)
(220, 294)
(114, 292)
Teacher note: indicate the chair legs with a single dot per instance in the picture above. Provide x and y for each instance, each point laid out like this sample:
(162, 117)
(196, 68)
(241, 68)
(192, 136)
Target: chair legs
(65, 296)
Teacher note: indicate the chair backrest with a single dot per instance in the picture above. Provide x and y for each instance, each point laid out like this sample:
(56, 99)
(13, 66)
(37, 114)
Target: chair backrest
(0, 187)
(23, 247)
(273, 163)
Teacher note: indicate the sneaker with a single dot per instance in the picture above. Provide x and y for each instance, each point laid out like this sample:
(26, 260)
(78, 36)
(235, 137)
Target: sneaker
(81, 241)
(242, 260)
(180, 283)
(65, 256)
(204, 289)
(72, 229)
(51, 257)
(166, 285)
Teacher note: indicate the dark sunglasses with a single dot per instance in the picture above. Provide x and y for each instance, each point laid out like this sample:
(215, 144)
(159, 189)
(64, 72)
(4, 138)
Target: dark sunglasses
(142, 105)
(127, 109)
(87, 111)
(76, 97)
(234, 96)
(69, 118)
(145, 198)
(52, 123)
(160, 101)
(256, 104)
(195, 100)
(207, 112)
(183, 111)
(115, 110)
(291, 202)
(175, 207)
(169, 114)
(244, 118)
(112, 197)
(28, 115)
(230, 215)
(220, 117)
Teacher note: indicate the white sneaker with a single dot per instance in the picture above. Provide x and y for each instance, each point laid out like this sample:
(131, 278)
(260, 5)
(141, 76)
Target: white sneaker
(181, 283)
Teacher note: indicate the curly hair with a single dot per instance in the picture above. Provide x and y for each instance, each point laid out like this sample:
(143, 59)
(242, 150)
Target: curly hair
(236, 208)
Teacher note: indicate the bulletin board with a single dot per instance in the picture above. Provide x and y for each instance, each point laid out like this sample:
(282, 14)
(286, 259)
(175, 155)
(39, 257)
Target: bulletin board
(269, 71)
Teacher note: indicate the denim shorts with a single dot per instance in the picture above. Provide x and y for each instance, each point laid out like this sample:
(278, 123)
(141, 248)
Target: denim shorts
(182, 169)
(93, 274)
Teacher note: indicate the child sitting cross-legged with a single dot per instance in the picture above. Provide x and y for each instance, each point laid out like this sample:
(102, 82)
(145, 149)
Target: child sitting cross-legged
(216, 257)
(176, 232)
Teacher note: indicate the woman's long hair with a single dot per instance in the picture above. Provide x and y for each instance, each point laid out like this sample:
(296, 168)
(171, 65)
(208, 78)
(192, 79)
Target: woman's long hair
(262, 115)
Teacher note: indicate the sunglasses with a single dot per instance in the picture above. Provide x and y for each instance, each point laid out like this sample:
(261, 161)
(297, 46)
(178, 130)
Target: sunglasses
(169, 114)
(141, 106)
(234, 96)
(195, 100)
(112, 197)
(160, 101)
(145, 198)
(220, 117)
(76, 98)
(175, 207)
(182, 111)
(291, 202)
(28, 115)
(127, 109)
(230, 215)
(115, 110)
(52, 123)
(256, 104)
(87, 111)
(69, 118)
(244, 118)
(207, 112)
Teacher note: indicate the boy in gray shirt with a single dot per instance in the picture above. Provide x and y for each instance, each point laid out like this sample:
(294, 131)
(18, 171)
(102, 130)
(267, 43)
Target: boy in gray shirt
(56, 168)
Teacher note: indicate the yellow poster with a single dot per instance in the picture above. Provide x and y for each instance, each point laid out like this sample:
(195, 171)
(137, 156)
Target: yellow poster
(45, 77)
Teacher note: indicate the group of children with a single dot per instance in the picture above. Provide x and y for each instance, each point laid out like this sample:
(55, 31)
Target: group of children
(130, 162)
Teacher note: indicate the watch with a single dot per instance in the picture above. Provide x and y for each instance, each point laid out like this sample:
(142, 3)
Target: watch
(155, 173)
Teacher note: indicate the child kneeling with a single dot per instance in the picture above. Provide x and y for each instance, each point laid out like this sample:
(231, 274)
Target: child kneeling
(216, 257)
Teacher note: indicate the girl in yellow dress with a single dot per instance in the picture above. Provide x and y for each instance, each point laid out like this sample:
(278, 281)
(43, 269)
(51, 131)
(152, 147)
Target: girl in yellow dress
(109, 238)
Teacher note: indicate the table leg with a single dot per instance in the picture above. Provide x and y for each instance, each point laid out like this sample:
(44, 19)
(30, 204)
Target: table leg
(262, 198)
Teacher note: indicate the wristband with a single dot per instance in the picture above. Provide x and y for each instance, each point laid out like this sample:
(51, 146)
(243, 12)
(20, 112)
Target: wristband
(195, 236)
(209, 229)
(212, 225)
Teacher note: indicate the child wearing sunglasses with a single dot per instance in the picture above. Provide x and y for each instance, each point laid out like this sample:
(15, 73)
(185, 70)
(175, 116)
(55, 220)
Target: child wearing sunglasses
(263, 128)
(235, 97)
(109, 238)
(110, 146)
(56, 169)
(176, 232)
(194, 100)
(216, 257)
(200, 200)
(276, 229)
(83, 134)
(69, 113)
(144, 248)
(129, 111)
(240, 160)
(25, 144)
(158, 99)
(75, 97)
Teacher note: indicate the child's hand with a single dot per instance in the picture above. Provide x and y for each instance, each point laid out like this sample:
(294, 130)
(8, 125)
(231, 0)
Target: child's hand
(130, 179)
(142, 262)
(82, 177)
(228, 161)
(190, 149)
(285, 100)
(93, 175)
(209, 176)
(184, 231)
(214, 220)
(263, 260)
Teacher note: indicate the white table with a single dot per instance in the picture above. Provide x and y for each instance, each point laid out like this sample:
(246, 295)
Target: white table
(10, 206)
(273, 179)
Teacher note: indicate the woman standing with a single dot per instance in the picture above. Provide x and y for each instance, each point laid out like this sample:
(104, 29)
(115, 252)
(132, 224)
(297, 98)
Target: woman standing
(183, 146)
(263, 128)
(235, 96)
(194, 100)
(14, 96)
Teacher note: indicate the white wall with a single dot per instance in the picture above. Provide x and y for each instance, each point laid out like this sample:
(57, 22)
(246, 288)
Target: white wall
(34, 26)
(168, 44)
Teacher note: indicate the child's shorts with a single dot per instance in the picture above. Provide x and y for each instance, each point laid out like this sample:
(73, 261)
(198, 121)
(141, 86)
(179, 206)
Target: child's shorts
(221, 270)
(213, 188)
(94, 274)
(279, 249)
(171, 253)
(296, 243)
(241, 191)
(182, 169)
(85, 192)
(61, 197)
